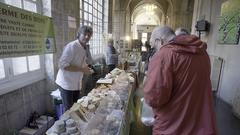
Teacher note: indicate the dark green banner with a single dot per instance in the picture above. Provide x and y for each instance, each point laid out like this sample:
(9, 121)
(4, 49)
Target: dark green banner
(24, 33)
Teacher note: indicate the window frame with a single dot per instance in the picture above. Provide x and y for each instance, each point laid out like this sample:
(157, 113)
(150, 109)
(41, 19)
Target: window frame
(97, 21)
(13, 82)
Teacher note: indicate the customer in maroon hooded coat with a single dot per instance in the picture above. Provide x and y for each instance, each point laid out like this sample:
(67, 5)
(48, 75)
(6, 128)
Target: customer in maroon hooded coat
(178, 86)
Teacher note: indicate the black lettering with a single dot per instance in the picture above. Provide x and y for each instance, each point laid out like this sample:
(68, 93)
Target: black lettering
(3, 20)
(4, 33)
(4, 47)
(24, 29)
(10, 47)
(18, 28)
(8, 12)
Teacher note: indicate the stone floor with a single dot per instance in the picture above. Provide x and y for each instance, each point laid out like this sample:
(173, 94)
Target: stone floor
(227, 123)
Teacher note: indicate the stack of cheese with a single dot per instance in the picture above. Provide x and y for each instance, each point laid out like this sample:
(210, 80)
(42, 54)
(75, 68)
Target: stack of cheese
(59, 127)
(68, 127)
(71, 127)
(77, 112)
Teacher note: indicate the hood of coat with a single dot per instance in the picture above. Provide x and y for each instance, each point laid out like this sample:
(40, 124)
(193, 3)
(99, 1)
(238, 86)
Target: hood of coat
(188, 44)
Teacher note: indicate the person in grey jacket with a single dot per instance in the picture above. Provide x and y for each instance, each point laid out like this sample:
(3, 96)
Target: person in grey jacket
(111, 56)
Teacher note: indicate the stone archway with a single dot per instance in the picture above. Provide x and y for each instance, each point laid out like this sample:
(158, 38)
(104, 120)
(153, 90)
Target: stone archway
(161, 16)
(142, 19)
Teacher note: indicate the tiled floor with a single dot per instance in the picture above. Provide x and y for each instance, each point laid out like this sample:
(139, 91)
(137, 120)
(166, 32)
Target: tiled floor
(227, 123)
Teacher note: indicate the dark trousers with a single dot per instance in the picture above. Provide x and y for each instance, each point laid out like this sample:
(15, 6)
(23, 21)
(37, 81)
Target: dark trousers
(111, 67)
(69, 97)
(87, 84)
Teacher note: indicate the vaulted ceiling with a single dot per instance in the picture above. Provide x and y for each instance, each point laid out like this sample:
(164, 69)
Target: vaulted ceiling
(164, 5)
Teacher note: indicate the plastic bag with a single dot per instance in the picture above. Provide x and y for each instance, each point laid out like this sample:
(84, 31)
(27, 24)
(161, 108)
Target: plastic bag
(147, 116)
(96, 125)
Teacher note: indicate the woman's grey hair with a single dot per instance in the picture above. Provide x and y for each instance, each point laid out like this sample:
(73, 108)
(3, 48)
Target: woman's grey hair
(163, 32)
(84, 29)
(181, 31)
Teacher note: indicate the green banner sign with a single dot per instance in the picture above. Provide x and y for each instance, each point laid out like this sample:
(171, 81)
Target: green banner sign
(24, 33)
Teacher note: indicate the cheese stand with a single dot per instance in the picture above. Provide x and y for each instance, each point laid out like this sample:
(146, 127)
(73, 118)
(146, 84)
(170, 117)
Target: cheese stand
(107, 109)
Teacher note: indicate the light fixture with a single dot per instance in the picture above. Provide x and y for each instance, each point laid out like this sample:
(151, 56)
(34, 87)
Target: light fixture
(150, 8)
(127, 38)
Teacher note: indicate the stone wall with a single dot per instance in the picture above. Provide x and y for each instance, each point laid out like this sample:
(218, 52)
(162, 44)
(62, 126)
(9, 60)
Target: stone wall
(17, 106)
(230, 77)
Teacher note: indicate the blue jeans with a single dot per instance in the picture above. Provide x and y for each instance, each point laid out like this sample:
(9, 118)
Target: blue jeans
(69, 97)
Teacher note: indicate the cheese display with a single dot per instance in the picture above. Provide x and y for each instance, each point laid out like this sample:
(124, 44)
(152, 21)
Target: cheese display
(64, 127)
(70, 123)
(101, 112)
(59, 127)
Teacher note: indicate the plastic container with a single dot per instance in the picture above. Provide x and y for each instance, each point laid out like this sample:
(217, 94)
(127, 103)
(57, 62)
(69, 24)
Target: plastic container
(147, 116)
(59, 108)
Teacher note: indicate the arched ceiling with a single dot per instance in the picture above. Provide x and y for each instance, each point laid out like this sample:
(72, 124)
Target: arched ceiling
(174, 13)
(148, 19)
(162, 4)
(145, 17)
(136, 8)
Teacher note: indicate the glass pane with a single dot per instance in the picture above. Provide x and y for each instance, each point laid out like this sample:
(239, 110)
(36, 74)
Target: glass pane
(100, 2)
(85, 16)
(90, 9)
(94, 20)
(144, 37)
(94, 12)
(95, 4)
(99, 7)
(34, 62)
(85, 6)
(90, 2)
(100, 16)
(30, 6)
(99, 22)
(47, 4)
(90, 17)
(16, 3)
(19, 65)
(2, 72)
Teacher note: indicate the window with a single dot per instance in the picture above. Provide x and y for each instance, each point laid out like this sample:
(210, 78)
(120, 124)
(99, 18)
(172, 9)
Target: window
(19, 65)
(30, 6)
(34, 62)
(95, 14)
(14, 3)
(144, 37)
(20, 71)
(2, 72)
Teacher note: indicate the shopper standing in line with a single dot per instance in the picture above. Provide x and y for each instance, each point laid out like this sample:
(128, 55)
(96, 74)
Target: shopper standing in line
(178, 85)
